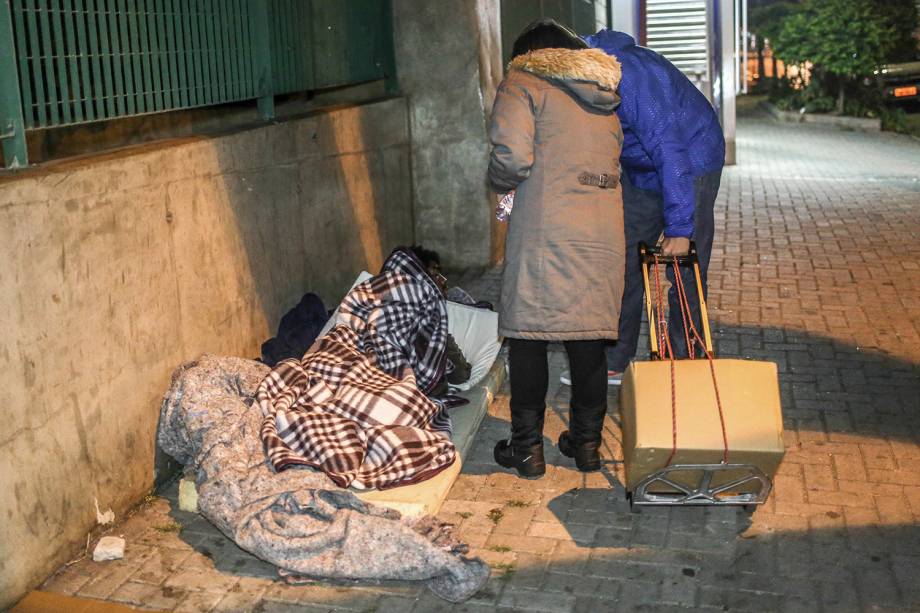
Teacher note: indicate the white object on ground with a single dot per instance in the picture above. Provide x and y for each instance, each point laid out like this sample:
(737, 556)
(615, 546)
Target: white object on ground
(103, 518)
(188, 495)
(109, 548)
(476, 334)
(613, 378)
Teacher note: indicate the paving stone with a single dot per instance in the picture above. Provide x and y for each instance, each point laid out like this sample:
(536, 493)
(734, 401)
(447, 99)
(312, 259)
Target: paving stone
(529, 571)
(65, 582)
(588, 604)
(527, 544)
(560, 531)
(110, 576)
(143, 594)
(201, 580)
(517, 520)
(796, 604)
(569, 557)
(161, 565)
(269, 606)
(634, 594)
(246, 595)
(550, 602)
(394, 604)
(199, 602)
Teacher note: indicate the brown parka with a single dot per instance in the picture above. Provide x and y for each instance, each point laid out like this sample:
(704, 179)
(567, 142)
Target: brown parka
(556, 141)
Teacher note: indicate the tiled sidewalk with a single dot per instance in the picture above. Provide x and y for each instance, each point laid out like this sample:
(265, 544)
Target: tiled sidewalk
(816, 267)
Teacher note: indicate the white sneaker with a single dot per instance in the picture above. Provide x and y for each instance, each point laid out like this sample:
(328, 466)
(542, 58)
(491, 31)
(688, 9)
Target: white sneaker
(613, 378)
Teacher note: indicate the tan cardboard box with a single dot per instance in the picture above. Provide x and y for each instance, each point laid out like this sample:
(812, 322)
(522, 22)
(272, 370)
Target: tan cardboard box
(750, 401)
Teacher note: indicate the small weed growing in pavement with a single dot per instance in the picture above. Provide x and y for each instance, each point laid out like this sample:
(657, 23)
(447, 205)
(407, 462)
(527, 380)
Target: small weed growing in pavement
(507, 569)
(500, 548)
(170, 527)
(495, 515)
(518, 504)
(464, 514)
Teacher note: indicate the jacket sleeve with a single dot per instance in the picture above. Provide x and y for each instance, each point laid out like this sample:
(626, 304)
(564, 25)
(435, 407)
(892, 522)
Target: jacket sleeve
(512, 135)
(652, 113)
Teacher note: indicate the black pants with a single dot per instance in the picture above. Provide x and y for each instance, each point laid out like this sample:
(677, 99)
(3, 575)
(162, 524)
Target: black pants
(643, 216)
(529, 382)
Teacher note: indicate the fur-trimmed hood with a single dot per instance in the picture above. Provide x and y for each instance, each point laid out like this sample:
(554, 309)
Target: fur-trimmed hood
(589, 74)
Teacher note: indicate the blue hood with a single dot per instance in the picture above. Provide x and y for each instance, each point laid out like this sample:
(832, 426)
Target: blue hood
(610, 41)
(671, 134)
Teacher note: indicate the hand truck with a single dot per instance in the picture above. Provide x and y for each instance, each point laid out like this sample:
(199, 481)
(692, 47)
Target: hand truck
(674, 484)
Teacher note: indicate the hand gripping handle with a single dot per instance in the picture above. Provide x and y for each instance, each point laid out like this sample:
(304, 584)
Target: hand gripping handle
(647, 257)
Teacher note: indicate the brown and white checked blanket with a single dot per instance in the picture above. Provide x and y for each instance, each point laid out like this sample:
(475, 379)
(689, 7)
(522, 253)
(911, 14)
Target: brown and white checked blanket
(353, 408)
(400, 316)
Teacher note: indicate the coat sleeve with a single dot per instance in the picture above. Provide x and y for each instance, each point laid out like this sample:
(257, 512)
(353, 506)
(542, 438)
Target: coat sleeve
(653, 115)
(512, 135)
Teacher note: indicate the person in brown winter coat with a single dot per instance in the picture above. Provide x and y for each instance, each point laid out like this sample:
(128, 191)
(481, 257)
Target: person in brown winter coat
(556, 143)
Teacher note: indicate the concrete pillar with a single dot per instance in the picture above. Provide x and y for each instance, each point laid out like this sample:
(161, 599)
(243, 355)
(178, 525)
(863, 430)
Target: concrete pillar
(626, 17)
(727, 32)
(448, 62)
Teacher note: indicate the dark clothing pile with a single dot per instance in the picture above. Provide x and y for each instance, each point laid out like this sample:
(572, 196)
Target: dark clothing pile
(458, 369)
(297, 331)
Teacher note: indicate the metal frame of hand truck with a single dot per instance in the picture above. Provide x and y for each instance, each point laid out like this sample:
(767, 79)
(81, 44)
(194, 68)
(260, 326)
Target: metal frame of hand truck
(702, 493)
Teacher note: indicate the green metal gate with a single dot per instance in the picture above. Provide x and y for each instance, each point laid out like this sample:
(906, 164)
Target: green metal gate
(65, 62)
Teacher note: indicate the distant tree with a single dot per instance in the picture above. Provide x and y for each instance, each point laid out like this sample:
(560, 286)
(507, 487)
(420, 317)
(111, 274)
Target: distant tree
(843, 38)
(902, 16)
(766, 20)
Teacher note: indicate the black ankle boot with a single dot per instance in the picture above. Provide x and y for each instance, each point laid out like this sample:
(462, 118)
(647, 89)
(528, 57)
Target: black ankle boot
(587, 457)
(527, 461)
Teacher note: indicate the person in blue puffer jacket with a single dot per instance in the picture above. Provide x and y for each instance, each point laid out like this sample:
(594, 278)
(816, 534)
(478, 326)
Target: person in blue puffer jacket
(672, 158)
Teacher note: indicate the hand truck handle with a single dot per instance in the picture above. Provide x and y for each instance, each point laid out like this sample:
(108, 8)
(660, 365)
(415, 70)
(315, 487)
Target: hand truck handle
(647, 258)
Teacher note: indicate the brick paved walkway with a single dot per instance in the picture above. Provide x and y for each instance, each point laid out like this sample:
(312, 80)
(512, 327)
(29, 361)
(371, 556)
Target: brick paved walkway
(816, 267)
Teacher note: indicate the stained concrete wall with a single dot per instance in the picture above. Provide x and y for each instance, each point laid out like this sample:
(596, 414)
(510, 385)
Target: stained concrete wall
(116, 269)
(448, 60)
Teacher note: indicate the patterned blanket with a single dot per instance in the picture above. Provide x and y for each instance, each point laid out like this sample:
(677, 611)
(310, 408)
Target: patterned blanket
(355, 407)
(400, 316)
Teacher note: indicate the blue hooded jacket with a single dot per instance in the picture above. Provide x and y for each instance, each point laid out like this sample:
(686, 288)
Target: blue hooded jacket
(671, 133)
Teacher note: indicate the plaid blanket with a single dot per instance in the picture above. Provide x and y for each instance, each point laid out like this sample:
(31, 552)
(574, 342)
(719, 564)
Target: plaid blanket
(355, 407)
(400, 316)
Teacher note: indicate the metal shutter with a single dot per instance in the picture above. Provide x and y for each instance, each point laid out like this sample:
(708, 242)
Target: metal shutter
(678, 30)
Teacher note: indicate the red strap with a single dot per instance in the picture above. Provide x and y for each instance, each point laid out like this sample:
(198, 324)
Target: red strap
(664, 347)
(667, 351)
(683, 314)
(685, 311)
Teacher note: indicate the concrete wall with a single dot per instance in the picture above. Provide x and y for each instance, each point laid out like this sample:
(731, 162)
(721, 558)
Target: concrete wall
(116, 269)
(448, 57)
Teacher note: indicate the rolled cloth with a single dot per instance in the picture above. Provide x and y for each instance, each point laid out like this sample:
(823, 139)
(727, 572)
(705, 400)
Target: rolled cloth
(298, 519)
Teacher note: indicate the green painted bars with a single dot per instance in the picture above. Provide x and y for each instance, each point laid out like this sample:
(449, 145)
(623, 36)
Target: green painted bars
(66, 62)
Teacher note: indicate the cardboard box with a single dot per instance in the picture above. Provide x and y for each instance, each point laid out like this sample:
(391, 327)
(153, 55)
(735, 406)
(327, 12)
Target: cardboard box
(750, 401)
